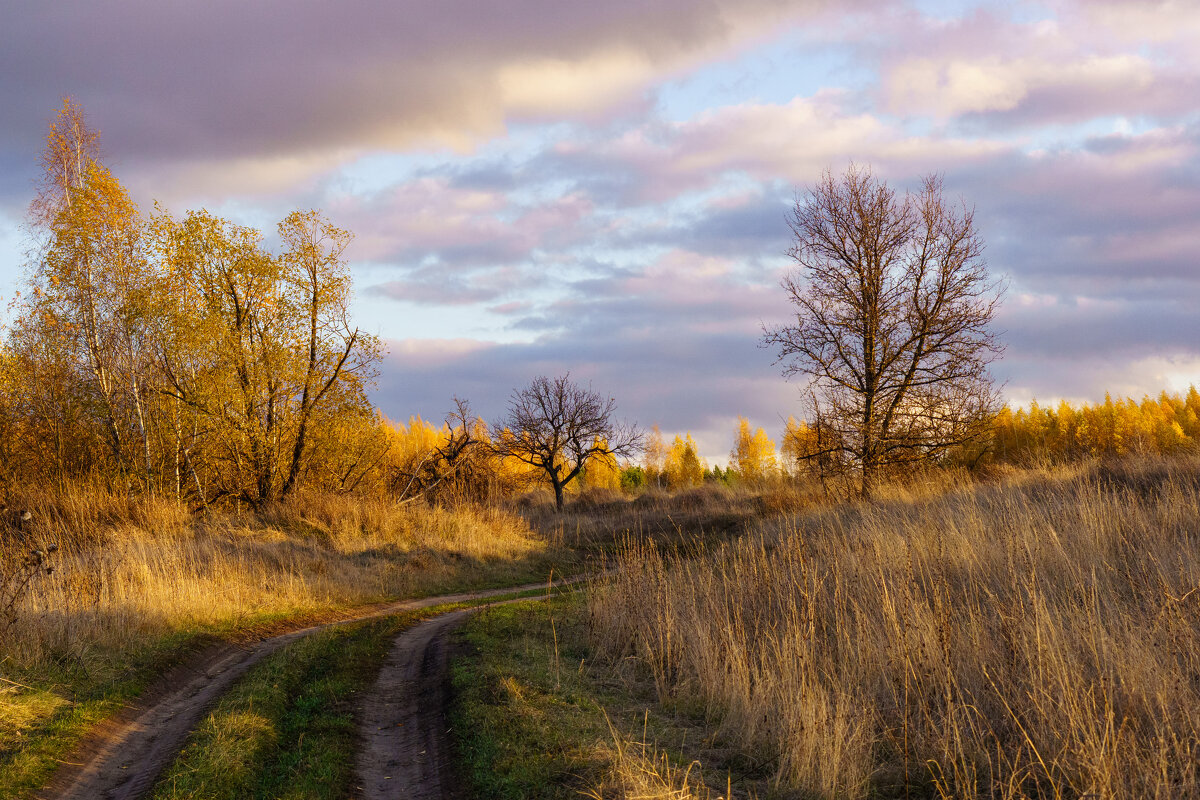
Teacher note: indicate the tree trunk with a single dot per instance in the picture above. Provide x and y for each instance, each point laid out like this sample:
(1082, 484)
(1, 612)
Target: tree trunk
(558, 496)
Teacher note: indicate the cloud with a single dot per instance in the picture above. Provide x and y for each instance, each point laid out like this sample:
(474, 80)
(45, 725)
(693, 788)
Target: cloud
(1063, 328)
(1140, 21)
(992, 73)
(221, 83)
(432, 286)
(459, 226)
(1057, 89)
(1118, 211)
(793, 142)
(523, 205)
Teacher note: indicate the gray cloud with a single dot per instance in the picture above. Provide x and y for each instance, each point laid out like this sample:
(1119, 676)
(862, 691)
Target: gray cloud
(227, 80)
(642, 253)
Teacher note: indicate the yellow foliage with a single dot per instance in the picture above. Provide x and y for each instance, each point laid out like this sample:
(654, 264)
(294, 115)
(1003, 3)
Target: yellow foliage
(753, 454)
(1164, 425)
(602, 470)
(683, 466)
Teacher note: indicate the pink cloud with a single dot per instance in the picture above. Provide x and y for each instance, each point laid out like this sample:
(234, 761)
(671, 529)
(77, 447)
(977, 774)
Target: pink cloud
(1086, 62)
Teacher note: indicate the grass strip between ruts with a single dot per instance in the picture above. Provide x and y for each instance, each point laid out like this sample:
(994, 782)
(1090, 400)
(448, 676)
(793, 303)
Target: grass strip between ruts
(287, 728)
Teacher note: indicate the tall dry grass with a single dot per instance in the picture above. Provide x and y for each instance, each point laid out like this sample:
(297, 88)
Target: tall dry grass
(128, 569)
(1033, 638)
(640, 771)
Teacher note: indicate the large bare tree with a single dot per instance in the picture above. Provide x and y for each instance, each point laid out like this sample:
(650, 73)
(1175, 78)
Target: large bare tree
(557, 427)
(894, 307)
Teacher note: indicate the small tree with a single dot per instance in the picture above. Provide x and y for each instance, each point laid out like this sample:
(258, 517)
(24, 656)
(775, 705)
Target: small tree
(557, 427)
(893, 310)
(753, 454)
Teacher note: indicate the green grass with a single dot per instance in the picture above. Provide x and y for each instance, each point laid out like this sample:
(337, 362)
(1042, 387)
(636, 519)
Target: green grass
(287, 728)
(531, 714)
(526, 725)
(44, 717)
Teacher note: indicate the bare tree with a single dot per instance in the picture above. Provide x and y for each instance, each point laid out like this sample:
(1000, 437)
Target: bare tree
(893, 312)
(455, 460)
(557, 427)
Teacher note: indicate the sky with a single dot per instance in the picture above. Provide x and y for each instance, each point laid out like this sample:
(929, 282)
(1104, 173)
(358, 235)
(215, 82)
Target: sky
(548, 186)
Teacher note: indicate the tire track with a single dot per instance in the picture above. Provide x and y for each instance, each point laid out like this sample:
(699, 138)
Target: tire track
(122, 760)
(405, 751)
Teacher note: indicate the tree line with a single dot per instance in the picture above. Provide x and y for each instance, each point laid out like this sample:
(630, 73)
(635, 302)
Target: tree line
(184, 357)
(1019, 436)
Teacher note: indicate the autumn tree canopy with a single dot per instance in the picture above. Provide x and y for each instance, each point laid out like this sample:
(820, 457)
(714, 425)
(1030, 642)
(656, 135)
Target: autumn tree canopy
(175, 355)
(892, 332)
(753, 453)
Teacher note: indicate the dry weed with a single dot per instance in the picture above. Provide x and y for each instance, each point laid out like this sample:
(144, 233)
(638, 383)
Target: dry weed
(640, 771)
(1034, 637)
(128, 570)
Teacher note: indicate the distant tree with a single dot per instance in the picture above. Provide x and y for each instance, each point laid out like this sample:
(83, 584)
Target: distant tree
(654, 457)
(726, 477)
(602, 471)
(684, 467)
(557, 427)
(893, 312)
(753, 454)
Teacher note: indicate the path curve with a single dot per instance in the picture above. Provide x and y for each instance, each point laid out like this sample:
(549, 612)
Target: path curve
(405, 751)
(125, 758)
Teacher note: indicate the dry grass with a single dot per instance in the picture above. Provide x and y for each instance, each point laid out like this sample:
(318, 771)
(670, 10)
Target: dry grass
(130, 570)
(1036, 637)
(594, 518)
(640, 771)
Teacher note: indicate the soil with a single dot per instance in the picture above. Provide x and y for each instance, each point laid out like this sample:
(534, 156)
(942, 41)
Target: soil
(405, 749)
(404, 752)
(122, 758)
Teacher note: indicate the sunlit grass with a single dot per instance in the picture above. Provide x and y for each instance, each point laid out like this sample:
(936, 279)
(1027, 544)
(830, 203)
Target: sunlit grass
(1032, 638)
(139, 582)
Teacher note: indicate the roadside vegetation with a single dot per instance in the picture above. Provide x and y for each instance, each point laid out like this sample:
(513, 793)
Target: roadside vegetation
(1028, 635)
(1035, 636)
(534, 718)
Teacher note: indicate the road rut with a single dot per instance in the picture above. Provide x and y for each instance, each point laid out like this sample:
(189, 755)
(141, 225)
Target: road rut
(123, 760)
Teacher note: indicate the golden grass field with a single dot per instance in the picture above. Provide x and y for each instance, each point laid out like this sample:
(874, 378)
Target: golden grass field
(1036, 636)
(135, 580)
(127, 569)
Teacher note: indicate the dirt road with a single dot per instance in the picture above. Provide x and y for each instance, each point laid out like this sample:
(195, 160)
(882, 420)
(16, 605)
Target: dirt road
(123, 759)
(404, 751)
(405, 744)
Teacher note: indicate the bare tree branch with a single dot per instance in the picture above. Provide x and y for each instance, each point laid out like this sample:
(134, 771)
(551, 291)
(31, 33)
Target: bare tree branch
(894, 307)
(557, 427)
